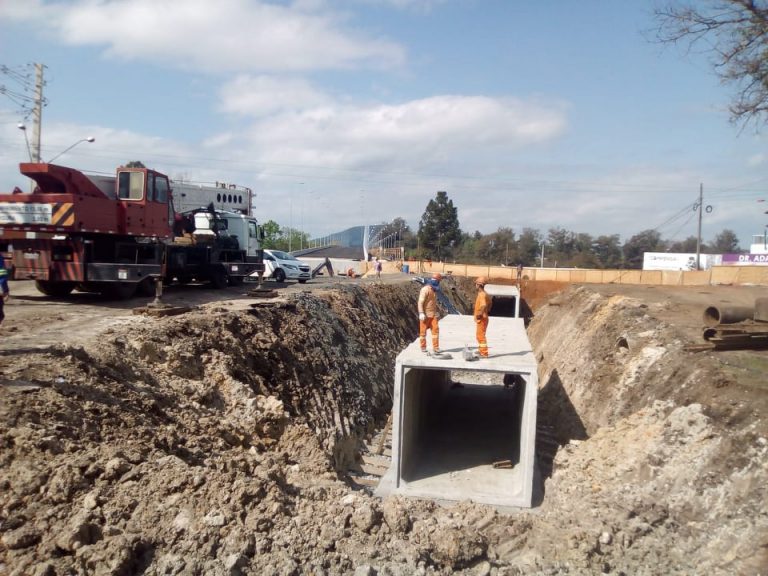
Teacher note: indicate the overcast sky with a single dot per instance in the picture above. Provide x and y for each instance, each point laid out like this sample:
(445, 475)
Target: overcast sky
(528, 114)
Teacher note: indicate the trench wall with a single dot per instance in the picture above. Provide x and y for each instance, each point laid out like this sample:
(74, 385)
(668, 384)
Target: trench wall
(587, 379)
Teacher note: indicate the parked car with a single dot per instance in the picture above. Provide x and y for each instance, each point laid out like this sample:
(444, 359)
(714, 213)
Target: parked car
(281, 266)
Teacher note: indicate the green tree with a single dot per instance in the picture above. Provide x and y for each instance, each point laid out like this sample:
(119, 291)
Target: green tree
(583, 253)
(466, 251)
(505, 241)
(528, 247)
(637, 245)
(726, 243)
(735, 34)
(135, 164)
(271, 234)
(397, 233)
(686, 246)
(439, 226)
(561, 246)
(607, 249)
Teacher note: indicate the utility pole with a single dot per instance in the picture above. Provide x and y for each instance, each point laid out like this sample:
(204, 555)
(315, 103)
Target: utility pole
(37, 113)
(698, 235)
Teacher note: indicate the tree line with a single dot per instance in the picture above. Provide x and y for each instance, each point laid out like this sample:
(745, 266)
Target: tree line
(440, 238)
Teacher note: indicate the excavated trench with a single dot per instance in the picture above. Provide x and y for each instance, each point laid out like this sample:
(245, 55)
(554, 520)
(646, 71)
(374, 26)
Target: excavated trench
(219, 442)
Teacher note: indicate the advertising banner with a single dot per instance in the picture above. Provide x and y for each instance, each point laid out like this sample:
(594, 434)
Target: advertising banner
(678, 261)
(745, 259)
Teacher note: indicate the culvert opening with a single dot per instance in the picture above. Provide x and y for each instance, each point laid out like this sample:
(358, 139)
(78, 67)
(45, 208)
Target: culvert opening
(459, 420)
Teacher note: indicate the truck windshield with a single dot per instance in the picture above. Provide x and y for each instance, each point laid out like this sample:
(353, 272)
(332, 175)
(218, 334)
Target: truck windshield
(130, 185)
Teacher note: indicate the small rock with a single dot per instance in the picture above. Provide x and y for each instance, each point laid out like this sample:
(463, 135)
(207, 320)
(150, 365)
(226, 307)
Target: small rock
(606, 538)
(90, 501)
(348, 500)
(214, 518)
(762, 441)
(182, 521)
(115, 468)
(23, 537)
(365, 517)
(365, 570)
(483, 569)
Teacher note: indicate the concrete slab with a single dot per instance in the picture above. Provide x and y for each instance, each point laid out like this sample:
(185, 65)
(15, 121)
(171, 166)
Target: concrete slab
(452, 418)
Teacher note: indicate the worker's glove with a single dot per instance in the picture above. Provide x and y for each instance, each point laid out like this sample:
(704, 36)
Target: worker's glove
(422, 317)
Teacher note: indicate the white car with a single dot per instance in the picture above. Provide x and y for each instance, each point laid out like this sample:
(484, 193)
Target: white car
(281, 266)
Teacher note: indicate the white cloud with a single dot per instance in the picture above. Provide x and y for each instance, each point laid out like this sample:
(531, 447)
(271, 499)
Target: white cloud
(432, 131)
(262, 95)
(228, 35)
(757, 160)
(421, 5)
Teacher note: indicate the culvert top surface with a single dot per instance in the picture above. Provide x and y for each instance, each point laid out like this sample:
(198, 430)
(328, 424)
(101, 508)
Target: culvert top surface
(216, 442)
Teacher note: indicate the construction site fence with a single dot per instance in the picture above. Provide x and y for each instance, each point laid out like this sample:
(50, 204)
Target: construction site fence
(744, 275)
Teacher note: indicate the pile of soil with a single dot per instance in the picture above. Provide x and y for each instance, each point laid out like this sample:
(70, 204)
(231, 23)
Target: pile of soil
(216, 442)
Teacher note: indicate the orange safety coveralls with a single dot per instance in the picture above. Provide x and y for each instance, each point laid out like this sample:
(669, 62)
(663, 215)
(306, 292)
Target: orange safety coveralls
(428, 307)
(482, 308)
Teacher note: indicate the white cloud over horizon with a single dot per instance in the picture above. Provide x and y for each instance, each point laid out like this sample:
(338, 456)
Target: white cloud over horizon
(239, 35)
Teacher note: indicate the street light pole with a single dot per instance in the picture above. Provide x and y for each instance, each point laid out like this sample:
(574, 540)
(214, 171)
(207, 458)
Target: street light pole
(88, 139)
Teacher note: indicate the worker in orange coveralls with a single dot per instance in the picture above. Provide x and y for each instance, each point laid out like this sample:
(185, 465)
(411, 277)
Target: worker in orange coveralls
(482, 308)
(428, 313)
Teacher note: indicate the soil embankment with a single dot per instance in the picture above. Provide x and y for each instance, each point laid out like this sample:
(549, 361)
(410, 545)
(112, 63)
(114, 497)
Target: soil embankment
(212, 443)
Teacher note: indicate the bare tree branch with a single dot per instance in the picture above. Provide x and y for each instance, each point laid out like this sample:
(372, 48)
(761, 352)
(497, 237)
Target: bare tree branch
(735, 33)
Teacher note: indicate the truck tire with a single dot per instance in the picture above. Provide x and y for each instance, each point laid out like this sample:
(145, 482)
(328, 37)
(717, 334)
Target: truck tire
(303, 281)
(50, 288)
(219, 278)
(279, 275)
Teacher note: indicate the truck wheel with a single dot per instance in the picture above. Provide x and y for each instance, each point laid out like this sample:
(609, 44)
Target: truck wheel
(303, 281)
(219, 279)
(279, 275)
(50, 288)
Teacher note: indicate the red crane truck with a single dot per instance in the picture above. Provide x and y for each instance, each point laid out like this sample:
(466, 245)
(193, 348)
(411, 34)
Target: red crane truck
(70, 232)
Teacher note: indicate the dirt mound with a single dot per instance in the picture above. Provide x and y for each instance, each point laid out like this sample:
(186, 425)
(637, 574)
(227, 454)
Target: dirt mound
(216, 443)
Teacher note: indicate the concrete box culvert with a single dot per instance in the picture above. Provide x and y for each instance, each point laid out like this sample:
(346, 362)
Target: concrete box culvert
(454, 419)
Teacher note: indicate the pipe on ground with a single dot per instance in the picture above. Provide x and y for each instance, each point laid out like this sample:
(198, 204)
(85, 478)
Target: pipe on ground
(715, 315)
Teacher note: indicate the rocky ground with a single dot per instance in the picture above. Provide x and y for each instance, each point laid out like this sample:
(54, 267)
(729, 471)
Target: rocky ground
(216, 441)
